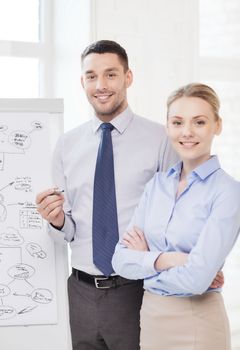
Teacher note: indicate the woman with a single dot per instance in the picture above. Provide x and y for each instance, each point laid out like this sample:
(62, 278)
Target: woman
(185, 225)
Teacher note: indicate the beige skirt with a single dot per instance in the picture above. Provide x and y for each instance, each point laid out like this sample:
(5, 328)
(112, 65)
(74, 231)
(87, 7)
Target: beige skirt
(184, 323)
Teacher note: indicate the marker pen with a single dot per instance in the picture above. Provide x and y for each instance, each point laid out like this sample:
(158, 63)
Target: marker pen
(57, 192)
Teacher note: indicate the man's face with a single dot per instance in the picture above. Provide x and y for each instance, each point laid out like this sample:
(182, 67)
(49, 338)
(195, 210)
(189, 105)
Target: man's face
(105, 84)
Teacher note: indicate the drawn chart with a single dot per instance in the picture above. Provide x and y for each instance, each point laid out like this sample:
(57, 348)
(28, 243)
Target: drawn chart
(16, 141)
(27, 260)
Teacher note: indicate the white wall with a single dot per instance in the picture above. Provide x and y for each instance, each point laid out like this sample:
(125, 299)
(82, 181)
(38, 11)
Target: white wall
(71, 34)
(160, 37)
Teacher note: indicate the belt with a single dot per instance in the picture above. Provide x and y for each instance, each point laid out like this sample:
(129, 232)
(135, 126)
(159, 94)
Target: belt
(101, 282)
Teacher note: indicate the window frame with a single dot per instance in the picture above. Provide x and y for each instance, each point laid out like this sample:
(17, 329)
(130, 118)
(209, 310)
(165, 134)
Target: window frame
(42, 50)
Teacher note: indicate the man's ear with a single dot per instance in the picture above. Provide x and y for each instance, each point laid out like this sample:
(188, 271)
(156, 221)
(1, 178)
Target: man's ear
(129, 78)
(82, 82)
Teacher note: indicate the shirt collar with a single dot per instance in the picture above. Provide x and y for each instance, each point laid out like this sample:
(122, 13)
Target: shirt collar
(120, 122)
(175, 169)
(202, 171)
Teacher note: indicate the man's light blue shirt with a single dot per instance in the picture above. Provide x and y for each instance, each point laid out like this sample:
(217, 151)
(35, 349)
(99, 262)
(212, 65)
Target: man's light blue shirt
(203, 221)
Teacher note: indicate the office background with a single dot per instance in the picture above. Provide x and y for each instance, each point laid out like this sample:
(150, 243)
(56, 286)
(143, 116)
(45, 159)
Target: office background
(169, 43)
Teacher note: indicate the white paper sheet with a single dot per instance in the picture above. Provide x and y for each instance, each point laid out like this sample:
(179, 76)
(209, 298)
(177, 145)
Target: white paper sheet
(27, 256)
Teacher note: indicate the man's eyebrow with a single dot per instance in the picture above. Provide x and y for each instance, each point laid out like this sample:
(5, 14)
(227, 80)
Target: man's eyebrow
(90, 71)
(111, 69)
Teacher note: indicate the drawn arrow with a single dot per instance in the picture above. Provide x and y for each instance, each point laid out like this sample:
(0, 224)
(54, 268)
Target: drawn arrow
(27, 309)
(10, 184)
(21, 295)
(15, 204)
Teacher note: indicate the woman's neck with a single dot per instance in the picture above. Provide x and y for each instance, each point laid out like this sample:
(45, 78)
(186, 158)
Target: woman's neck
(189, 166)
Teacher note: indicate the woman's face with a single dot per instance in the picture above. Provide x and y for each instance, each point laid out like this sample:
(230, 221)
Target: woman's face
(191, 127)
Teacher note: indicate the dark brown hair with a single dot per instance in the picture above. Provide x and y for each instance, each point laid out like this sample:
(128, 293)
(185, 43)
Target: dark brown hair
(107, 46)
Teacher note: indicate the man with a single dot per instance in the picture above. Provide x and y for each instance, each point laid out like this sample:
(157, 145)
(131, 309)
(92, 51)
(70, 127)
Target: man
(104, 308)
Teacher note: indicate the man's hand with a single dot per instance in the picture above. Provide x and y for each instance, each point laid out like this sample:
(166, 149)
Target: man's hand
(50, 207)
(218, 281)
(135, 239)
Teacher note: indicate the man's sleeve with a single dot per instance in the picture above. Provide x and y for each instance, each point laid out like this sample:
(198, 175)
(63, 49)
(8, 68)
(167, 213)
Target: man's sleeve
(167, 155)
(68, 230)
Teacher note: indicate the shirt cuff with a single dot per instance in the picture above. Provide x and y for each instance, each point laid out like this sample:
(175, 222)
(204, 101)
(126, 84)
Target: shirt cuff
(149, 262)
(55, 234)
(68, 229)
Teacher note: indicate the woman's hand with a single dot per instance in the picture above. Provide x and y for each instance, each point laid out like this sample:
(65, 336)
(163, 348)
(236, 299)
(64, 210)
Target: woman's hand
(218, 281)
(135, 239)
(170, 259)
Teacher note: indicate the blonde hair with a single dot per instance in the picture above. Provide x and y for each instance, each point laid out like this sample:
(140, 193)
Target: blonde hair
(202, 91)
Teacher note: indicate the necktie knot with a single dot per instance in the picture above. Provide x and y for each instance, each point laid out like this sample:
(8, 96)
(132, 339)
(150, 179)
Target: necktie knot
(106, 126)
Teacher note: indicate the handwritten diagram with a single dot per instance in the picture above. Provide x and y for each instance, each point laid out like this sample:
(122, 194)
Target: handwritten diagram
(16, 141)
(27, 260)
(3, 210)
(28, 214)
(11, 238)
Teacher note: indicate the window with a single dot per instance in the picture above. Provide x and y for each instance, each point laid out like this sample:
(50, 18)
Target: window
(19, 20)
(19, 77)
(24, 51)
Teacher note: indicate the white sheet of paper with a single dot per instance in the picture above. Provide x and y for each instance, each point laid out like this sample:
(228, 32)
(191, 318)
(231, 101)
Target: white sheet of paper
(27, 256)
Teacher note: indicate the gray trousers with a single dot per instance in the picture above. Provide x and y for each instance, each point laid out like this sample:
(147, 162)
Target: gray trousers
(104, 319)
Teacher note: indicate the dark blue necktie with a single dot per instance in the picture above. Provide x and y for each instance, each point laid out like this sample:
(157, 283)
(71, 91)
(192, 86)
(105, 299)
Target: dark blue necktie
(105, 222)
